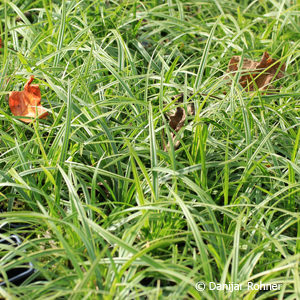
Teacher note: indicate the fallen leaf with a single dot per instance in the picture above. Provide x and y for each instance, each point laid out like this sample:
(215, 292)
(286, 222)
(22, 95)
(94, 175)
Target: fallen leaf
(27, 103)
(260, 74)
(177, 119)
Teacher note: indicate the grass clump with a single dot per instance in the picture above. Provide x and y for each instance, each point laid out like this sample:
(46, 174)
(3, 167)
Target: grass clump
(109, 214)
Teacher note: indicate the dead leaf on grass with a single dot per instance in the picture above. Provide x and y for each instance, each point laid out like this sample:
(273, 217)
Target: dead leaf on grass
(27, 103)
(177, 119)
(257, 74)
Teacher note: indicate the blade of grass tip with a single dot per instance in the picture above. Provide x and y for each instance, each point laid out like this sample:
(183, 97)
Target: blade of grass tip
(61, 33)
(198, 152)
(153, 152)
(203, 60)
(65, 137)
(197, 235)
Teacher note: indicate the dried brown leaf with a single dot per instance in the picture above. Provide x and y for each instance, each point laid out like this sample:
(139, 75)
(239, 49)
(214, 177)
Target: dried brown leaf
(260, 74)
(177, 119)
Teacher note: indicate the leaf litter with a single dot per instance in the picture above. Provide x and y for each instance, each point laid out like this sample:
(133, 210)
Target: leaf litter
(27, 103)
(257, 74)
(177, 118)
(254, 75)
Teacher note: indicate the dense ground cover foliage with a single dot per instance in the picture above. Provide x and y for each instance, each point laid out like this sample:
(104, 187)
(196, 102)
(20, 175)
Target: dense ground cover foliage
(109, 211)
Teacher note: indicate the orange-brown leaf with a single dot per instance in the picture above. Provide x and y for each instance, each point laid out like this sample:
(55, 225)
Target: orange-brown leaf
(260, 74)
(27, 103)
